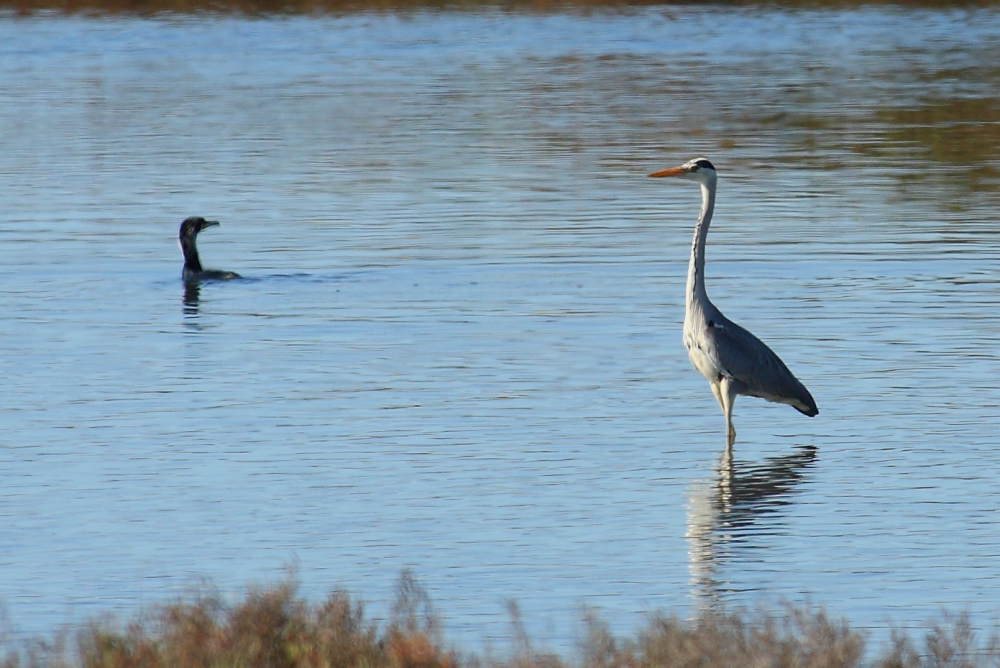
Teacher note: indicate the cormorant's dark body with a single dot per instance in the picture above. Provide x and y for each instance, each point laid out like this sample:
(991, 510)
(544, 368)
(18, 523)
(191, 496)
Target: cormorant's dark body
(193, 271)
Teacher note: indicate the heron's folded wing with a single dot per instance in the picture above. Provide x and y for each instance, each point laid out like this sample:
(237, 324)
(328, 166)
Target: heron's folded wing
(747, 359)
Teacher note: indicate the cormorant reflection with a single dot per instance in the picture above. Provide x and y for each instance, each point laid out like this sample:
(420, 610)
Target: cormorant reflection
(725, 511)
(192, 293)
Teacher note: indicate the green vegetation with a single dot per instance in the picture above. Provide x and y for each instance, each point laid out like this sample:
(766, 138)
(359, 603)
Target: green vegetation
(273, 628)
(961, 132)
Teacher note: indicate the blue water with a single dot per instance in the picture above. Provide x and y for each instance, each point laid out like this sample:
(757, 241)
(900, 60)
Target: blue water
(457, 345)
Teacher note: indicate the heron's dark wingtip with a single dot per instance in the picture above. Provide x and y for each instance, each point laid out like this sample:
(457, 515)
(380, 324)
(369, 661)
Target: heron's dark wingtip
(805, 403)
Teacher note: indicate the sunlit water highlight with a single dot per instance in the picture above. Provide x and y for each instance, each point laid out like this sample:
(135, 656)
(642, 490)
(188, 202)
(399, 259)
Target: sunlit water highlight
(457, 346)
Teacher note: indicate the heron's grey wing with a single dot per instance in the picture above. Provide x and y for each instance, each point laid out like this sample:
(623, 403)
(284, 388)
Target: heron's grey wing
(747, 359)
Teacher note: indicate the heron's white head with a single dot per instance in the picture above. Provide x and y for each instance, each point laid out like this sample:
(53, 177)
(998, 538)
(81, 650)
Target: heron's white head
(699, 169)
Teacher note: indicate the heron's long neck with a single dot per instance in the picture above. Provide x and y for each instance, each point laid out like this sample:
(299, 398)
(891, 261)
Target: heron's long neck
(696, 267)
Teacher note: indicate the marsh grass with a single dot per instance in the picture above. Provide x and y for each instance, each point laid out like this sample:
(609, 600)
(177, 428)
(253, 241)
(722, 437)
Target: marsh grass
(272, 627)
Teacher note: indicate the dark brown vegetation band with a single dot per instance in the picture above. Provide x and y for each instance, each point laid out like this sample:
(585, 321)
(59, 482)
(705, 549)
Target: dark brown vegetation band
(274, 628)
(280, 7)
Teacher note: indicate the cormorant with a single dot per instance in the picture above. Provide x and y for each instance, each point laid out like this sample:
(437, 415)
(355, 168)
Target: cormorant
(193, 271)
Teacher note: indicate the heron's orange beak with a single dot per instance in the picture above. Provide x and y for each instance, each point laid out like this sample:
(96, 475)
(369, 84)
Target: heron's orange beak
(673, 171)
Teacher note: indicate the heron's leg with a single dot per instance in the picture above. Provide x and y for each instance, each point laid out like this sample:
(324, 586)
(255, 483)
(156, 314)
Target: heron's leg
(718, 396)
(727, 398)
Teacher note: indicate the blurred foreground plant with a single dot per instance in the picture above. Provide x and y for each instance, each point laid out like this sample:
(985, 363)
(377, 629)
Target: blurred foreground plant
(273, 628)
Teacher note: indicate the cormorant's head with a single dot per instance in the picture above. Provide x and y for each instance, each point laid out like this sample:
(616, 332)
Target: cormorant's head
(193, 225)
(699, 169)
(189, 232)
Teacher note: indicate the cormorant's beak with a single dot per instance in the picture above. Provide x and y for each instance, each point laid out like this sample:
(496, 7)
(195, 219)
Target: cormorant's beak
(211, 223)
(673, 171)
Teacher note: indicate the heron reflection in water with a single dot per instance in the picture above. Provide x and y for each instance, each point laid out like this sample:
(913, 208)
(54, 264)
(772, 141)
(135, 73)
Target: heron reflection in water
(725, 512)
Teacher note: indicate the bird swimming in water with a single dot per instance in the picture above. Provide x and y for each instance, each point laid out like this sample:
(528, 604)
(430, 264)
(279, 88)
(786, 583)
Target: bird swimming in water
(733, 360)
(188, 236)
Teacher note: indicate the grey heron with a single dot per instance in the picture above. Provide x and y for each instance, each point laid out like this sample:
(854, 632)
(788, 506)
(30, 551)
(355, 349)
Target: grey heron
(188, 236)
(733, 360)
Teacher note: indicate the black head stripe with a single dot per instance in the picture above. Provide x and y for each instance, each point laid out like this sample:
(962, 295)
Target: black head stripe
(705, 164)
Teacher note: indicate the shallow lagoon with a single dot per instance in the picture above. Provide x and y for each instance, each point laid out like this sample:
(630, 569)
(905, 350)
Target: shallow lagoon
(457, 347)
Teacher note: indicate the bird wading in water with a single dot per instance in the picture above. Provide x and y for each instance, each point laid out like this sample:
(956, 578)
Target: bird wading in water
(193, 271)
(733, 360)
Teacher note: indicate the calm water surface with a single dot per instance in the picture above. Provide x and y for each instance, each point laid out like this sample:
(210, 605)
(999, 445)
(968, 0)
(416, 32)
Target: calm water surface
(457, 345)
